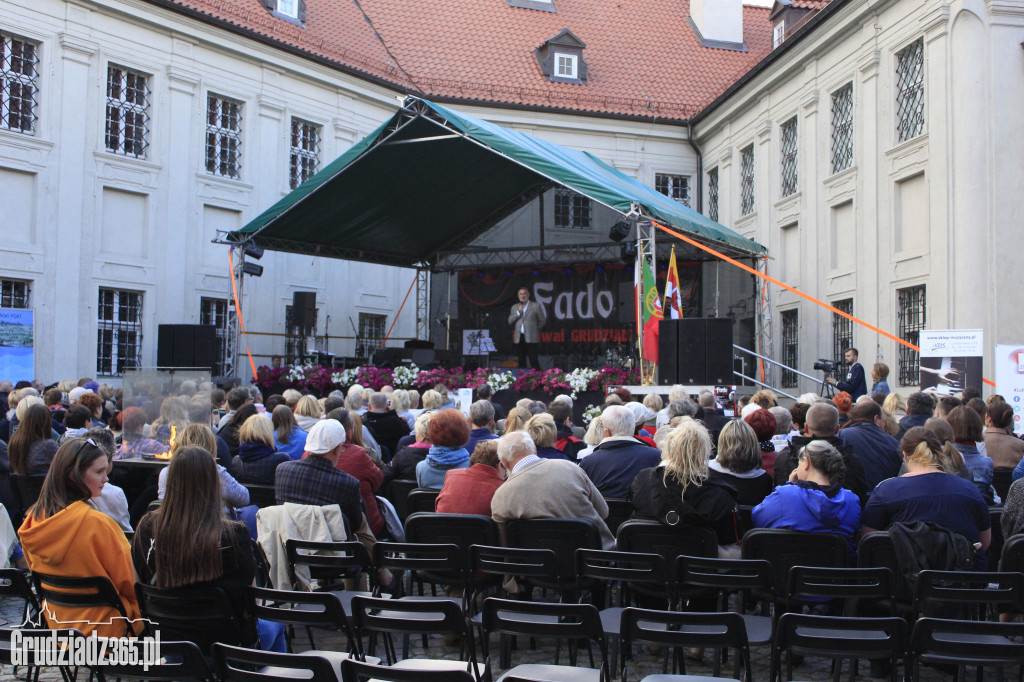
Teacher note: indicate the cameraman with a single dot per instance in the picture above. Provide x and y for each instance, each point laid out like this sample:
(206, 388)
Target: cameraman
(856, 385)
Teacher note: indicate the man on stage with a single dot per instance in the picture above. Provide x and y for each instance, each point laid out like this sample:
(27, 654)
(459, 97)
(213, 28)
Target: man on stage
(526, 319)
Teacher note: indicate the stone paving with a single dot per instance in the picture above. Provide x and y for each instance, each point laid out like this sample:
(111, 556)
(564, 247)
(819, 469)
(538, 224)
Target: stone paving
(644, 662)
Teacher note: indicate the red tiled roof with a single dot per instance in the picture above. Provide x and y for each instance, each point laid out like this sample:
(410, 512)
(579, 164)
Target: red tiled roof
(809, 4)
(643, 58)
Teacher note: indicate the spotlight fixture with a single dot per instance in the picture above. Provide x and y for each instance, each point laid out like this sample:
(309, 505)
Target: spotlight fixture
(253, 251)
(628, 251)
(619, 231)
(252, 269)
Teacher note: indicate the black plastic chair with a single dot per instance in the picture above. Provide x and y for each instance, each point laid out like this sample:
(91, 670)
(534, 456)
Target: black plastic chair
(42, 636)
(623, 569)
(179, 661)
(563, 537)
(26, 491)
(397, 492)
(261, 495)
(965, 643)
(1002, 479)
(200, 614)
(674, 629)
(1013, 554)
(86, 592)
(728, 576)
(330, 564)
(646, 536)
(358, 671)
(784, 549)
(236, 664)
(823, 636)
(436, 563)
(305, 609)
(744, 518)
(995, 546)
(462, 530)
(619, 511)
(422, 500)
(541, 619)
(814, 583)
(876, 550)
(427, 616)
(967, 595)
(13, 583)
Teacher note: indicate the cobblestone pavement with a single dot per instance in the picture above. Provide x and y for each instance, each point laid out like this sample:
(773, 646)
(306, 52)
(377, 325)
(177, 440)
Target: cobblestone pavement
(644, 663)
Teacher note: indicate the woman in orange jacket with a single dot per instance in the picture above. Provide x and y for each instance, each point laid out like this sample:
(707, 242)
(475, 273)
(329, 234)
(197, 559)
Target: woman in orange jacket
(62, 535)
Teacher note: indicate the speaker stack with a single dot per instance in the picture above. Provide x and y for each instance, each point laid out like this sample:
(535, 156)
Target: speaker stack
(192, 346)
(304, 309)
(695, 351)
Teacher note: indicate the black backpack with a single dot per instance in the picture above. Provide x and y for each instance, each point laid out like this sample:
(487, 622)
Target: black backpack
(924, 545)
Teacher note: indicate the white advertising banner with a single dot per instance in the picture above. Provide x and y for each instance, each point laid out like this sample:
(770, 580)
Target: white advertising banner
(951, 360)
(1010, 380)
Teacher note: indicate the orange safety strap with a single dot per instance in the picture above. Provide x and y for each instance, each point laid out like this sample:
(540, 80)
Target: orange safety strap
(238, 309)
(799, 293)
(394, 321)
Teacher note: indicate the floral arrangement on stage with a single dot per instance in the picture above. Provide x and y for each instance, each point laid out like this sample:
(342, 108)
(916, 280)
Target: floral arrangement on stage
(323, 380)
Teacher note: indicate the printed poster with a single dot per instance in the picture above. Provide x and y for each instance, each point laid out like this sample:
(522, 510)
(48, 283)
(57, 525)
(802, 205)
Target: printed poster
(1010, 380)
(17, 352)
(951, 360)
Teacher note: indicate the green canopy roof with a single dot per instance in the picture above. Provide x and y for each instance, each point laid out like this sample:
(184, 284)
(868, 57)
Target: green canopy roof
(432, 179)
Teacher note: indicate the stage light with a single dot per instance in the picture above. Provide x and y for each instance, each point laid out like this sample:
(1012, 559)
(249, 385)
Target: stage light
(253, 251)
(628, 251)
(252, 269)
(619, 231)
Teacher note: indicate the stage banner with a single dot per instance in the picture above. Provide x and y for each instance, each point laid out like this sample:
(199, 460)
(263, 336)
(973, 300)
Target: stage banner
(589, 308)
(1010, 380)
(17, 354)
(951, 360)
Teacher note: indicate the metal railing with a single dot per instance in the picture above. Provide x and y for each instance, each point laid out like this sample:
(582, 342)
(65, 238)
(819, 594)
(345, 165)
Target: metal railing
(816, 380)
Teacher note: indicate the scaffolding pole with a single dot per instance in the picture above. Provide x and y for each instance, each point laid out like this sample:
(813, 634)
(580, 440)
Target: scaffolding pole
(422, 303)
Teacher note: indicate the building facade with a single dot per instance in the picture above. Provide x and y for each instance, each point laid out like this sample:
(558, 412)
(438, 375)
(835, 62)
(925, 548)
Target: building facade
(876, 152)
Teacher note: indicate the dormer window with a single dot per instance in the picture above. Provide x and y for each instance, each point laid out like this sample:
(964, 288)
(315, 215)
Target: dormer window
(565, 65)
(289, 10)
(561, 58)
(778, 32)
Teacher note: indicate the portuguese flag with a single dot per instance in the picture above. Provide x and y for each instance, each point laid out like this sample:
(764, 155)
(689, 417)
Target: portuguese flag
(652, 314)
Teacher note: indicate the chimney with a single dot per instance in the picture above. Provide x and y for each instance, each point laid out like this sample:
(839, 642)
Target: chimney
(718, 23)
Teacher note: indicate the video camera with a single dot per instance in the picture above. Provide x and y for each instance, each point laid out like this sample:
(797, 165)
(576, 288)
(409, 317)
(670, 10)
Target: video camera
(827, 366)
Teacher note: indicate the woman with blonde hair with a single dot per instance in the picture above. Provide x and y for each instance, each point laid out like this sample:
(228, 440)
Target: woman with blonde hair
(404, 463)
(679, 491)
(432, 400)
(896, 405)
(593, 437)
(516, 419)
(307, 412)
(257, 457)
(173, 415)
(200, 435)
(400, 404)
(739, 463)
(541, 428)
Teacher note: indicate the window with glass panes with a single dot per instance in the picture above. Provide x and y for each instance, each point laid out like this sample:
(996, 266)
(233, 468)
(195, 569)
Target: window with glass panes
(14, 293)
(910, 91)
(911, 319)
(371, 333)
(842, 334)
(673, 186)
(713, 193)
(119, 332)
(788, 141)
(19, 60)
(219, 313)
(790, 346)
(747, 180)
(223, 137)
(842, 128)
(572, 210)
(305, 152)
(128, 97)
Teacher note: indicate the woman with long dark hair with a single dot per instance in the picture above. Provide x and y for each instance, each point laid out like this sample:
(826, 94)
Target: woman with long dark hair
(31, 448)
(288, 437)
(188, 541)
(62, 535)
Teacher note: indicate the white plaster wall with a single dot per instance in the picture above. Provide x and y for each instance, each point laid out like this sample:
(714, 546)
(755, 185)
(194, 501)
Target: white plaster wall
(55, 234)
(934, 210)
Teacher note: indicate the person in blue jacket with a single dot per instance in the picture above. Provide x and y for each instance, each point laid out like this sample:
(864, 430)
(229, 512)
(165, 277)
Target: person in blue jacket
(814, 499)
(855, 384)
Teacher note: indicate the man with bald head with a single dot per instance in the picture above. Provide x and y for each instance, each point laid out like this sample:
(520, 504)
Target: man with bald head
(384, 423)
(538, 488)
(822, 423)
